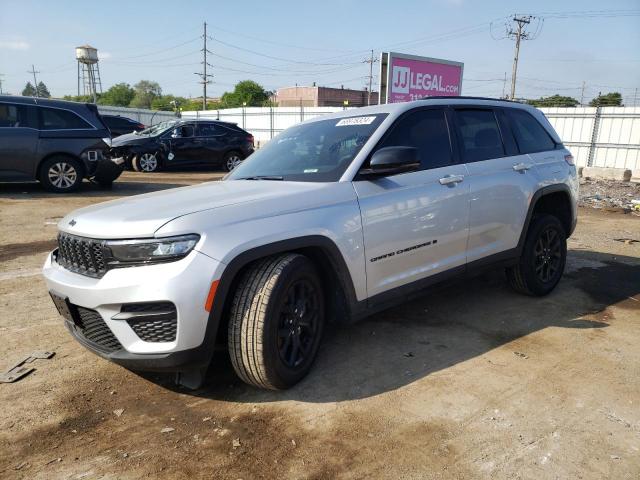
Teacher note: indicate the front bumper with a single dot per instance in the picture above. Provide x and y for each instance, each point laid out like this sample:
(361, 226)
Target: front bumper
(185, 283)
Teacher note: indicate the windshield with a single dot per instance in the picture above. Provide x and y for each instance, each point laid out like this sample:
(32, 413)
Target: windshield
(313, 152)
(158, 128)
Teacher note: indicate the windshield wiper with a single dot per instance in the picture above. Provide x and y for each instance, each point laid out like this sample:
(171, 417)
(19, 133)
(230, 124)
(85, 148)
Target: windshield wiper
(262, 177)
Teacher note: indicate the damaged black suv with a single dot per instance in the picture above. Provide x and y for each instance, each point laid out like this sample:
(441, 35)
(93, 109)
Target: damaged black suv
(56, 142)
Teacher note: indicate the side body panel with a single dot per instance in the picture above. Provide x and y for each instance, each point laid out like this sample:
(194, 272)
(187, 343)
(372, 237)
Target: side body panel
(413, 226)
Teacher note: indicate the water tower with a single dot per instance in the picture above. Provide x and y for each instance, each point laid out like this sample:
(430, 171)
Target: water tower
(88, 71)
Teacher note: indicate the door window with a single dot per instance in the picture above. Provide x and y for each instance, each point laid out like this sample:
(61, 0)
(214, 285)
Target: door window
(57, 119)
(14, 116)
(530, 135)
(481, 139)
(427, 131)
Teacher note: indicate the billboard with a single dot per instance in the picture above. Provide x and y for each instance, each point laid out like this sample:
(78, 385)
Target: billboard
(404, 78)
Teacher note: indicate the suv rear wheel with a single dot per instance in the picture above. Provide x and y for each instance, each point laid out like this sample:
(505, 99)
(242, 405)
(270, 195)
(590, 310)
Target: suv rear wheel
(543, 257)
(61, 174)
(232, 160)
(276, 321)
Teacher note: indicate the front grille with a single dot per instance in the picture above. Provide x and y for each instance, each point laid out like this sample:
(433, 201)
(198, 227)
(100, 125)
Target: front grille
(153, 322)
(81, 255)
(93, 328)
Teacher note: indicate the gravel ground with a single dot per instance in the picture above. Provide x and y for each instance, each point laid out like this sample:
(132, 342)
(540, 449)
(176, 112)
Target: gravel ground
(470, 381)
(624, 196)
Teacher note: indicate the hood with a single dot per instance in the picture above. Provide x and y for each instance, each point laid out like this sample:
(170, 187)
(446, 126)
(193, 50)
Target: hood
(130, 139)
(142, 215)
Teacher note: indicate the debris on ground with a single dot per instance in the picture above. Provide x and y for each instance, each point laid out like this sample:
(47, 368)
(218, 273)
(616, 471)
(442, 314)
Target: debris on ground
(118, 412)
(522, 355)
(627, 241)
(236, 442)
(607, 194)
(408, 354)
(20, 369)
(167, 430)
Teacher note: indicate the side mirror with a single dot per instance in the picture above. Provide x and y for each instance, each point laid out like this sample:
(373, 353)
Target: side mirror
(391, 161)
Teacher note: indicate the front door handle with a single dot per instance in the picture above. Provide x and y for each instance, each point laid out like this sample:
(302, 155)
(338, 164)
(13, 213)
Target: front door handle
(451, 179)
(522, 167)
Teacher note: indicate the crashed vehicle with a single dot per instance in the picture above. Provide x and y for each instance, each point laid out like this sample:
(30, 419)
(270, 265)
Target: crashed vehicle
(56, 142)
(332, 220)
(182, 143)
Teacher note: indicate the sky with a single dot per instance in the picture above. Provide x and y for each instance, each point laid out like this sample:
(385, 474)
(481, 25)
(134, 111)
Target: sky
(283, 43)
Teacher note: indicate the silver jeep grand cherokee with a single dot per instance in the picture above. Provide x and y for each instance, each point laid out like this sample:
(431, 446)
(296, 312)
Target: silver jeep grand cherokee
(333, 219)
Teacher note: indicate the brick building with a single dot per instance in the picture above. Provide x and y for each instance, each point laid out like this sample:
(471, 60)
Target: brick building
(315, 96)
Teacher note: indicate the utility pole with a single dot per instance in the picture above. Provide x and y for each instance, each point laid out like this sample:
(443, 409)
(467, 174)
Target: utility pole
(370, 61)
(504, 86)
(35, 82)
(204, 75)
(584, 84)
(519, 34)
(1, 75)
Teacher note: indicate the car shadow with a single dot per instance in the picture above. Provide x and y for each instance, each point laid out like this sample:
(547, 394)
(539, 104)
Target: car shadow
(22, 190)
(446, 326)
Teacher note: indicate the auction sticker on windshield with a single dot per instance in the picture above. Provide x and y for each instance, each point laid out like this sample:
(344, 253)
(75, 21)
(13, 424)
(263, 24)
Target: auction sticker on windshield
(355, 121)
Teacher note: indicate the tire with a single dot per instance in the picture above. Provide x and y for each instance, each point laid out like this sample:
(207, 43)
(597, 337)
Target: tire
(61, 174)
(146, 162)
(232, 160)
(543, 258)
(278, 307)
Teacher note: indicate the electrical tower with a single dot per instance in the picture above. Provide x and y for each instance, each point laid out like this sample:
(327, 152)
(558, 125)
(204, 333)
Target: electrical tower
(519, 34)
(89, 82)
(204, 75)
(370, 61)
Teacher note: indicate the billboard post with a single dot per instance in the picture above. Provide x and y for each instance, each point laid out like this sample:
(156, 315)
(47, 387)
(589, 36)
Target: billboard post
(404, 78)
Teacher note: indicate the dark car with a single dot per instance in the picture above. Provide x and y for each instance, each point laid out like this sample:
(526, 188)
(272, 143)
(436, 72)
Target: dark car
(119, 125)
(178, 143)
(56, 142)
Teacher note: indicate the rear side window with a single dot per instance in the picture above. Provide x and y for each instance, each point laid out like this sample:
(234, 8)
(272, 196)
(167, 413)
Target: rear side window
(481, 139)
(57, 119)
(208, 130)
(427, 131)
(14, 116)
(530, 135)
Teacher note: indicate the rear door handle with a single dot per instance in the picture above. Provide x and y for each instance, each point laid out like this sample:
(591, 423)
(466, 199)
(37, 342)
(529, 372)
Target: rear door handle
(522, 167)
(451, 179)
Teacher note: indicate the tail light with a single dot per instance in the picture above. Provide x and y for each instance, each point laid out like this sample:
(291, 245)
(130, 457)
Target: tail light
(250, 140)
(569, 159)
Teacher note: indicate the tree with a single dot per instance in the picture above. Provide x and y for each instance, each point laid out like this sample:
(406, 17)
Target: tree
(145, 92)
(247, 91)
(80, 98)
(168, 103)
(119, 95)
(554, 101)
(612, 99)
(29, 90)
(42, 90)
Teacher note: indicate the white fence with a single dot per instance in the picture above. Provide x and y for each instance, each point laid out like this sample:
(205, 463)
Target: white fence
(598, 137)
(147, 117)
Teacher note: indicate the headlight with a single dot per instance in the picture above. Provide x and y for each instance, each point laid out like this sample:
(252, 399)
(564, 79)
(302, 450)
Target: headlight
(152, 250)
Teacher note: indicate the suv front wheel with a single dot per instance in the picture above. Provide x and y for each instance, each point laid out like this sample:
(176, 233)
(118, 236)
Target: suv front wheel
(543, 257)
(61, 174)
(276, 321)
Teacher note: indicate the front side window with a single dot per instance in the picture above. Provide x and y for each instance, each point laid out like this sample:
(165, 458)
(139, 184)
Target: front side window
(481, 139)
(57, 119)
(530, 135)
(318, 151)
(14, 116)
(427, 131)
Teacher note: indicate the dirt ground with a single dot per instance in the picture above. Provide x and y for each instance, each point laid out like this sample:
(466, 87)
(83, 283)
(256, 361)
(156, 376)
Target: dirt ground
(470, 381)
